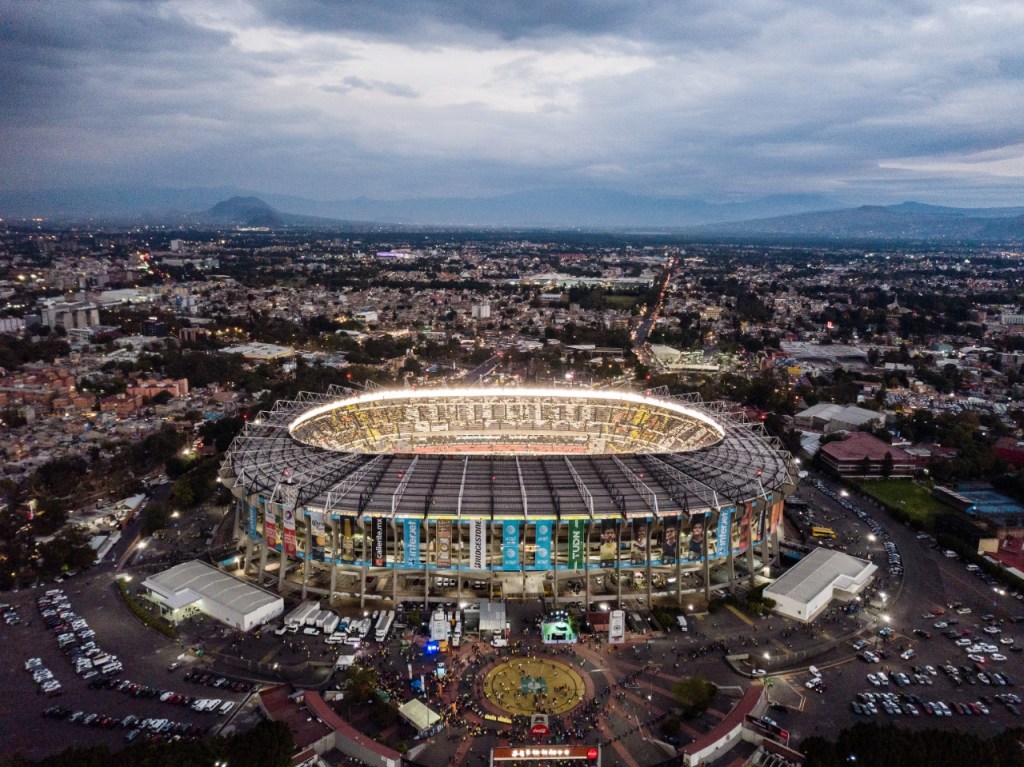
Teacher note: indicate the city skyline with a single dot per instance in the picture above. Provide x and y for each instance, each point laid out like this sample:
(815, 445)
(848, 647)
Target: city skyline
(879, 103)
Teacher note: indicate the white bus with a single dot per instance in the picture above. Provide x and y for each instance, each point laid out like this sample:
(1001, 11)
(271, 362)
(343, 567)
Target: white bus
(384, 622)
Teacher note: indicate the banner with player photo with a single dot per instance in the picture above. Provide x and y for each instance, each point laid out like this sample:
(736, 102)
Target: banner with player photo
(670, 541)
(638, 546)
(443, 542)
(608, 551)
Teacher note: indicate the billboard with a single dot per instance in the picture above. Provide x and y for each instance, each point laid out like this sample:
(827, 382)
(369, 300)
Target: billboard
(617, 627)
(289, 530)
(348, 543)
(509, 545)
(379, 542)
(577, 543)
(542, 539)
(318, 532)
(724, 532)
(477, 544)
(638, 548)
(670, 541)
(270, 526)
(609, 548)
(252, 521)
(696, 538)
(443, 542)
(412, 542)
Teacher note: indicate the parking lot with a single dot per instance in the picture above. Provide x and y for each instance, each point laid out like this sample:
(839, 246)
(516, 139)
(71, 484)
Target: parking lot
(131, 680)
(957, 628)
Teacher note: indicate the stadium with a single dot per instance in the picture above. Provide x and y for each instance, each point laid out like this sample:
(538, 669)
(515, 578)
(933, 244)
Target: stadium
(444, 494)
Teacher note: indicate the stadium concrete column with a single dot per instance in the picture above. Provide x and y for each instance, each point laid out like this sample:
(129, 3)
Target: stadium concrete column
(750, 563)
(458, 563)
(366, 561)
(334, 556)
(555, 532)
(283, 559)
(648, 568)
(705, 562)
(731, 562)
(618, 566)
(305, 562)
(394, 565)
(263, 556)
(586, 560)
(679, 568)
(426, 562)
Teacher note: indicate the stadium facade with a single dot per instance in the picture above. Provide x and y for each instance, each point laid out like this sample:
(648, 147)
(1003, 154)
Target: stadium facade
(446, 494)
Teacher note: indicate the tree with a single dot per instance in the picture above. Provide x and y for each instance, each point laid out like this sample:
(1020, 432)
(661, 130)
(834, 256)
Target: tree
(693, 694)
(887, 465)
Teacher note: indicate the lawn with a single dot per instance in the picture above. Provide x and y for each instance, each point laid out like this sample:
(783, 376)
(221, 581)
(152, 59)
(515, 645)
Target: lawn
(907, 495)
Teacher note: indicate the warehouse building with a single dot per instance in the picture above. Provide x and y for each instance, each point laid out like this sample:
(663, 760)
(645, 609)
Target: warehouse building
(196, 587)
(823, 575)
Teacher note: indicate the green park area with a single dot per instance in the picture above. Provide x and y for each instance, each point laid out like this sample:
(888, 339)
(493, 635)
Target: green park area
(909, 497)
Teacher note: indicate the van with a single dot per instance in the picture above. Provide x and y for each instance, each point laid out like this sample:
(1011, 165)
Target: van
(814, 670)
(225, 708)
(681, 622)
(311, 630)
(499, 642)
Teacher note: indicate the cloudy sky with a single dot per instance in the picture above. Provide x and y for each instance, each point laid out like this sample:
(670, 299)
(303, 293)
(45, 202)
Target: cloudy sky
(868, 101)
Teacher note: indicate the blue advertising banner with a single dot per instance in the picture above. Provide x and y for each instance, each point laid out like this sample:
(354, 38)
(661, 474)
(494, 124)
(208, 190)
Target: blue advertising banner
(724, 527)
(252, 522)
(542, 538)
(509, 545)
(412, 543)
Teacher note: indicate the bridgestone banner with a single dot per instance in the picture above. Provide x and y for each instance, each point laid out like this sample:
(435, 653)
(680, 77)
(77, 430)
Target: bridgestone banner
(577, 543)
(380, 550)
(477, 544)
(444, 543)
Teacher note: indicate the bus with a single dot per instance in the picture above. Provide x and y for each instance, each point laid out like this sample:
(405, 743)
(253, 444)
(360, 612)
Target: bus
(823, 532)
(383, 626)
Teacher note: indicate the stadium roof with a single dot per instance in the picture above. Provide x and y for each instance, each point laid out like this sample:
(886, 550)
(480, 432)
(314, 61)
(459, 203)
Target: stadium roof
(742, 465)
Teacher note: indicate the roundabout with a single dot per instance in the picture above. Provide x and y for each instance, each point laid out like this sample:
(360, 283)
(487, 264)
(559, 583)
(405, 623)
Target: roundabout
(525, 686)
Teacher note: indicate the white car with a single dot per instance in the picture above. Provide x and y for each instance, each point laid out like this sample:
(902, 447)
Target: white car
(992, 630)
(907, 654)
(758, 672)
(941, 625)
(1006, 640)
(997, 656)
(874, 680)
(963, 642)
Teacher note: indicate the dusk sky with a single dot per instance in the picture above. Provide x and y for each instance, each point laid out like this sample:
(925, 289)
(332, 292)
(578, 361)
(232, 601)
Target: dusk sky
(873, 101)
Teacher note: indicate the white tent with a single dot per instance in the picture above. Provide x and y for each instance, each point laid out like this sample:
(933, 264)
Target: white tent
(419, 715)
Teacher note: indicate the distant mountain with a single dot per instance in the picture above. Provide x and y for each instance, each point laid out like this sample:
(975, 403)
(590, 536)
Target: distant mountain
(246, 211)
(908, 221)
(775, 217)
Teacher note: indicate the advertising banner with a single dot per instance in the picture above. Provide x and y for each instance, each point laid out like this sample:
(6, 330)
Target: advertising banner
(444, 543)
(697, 538)
(270, 526)
(638, 549)
(289, 531)
(318, 533)
(412, 542)
(542, 538)
(609, 549)
(741, 529)
(724, 525)
(670, 541)
(477, 544)
(379, 542)
(577, 543)
(252, 522)
(348, 543)
(617, 627)
(776, 516)
(509, 545)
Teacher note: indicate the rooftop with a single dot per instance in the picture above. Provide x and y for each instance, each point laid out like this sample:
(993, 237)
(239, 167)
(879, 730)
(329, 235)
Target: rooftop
(820, 570)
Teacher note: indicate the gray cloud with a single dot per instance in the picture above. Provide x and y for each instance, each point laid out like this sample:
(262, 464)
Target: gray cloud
(877, 101)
